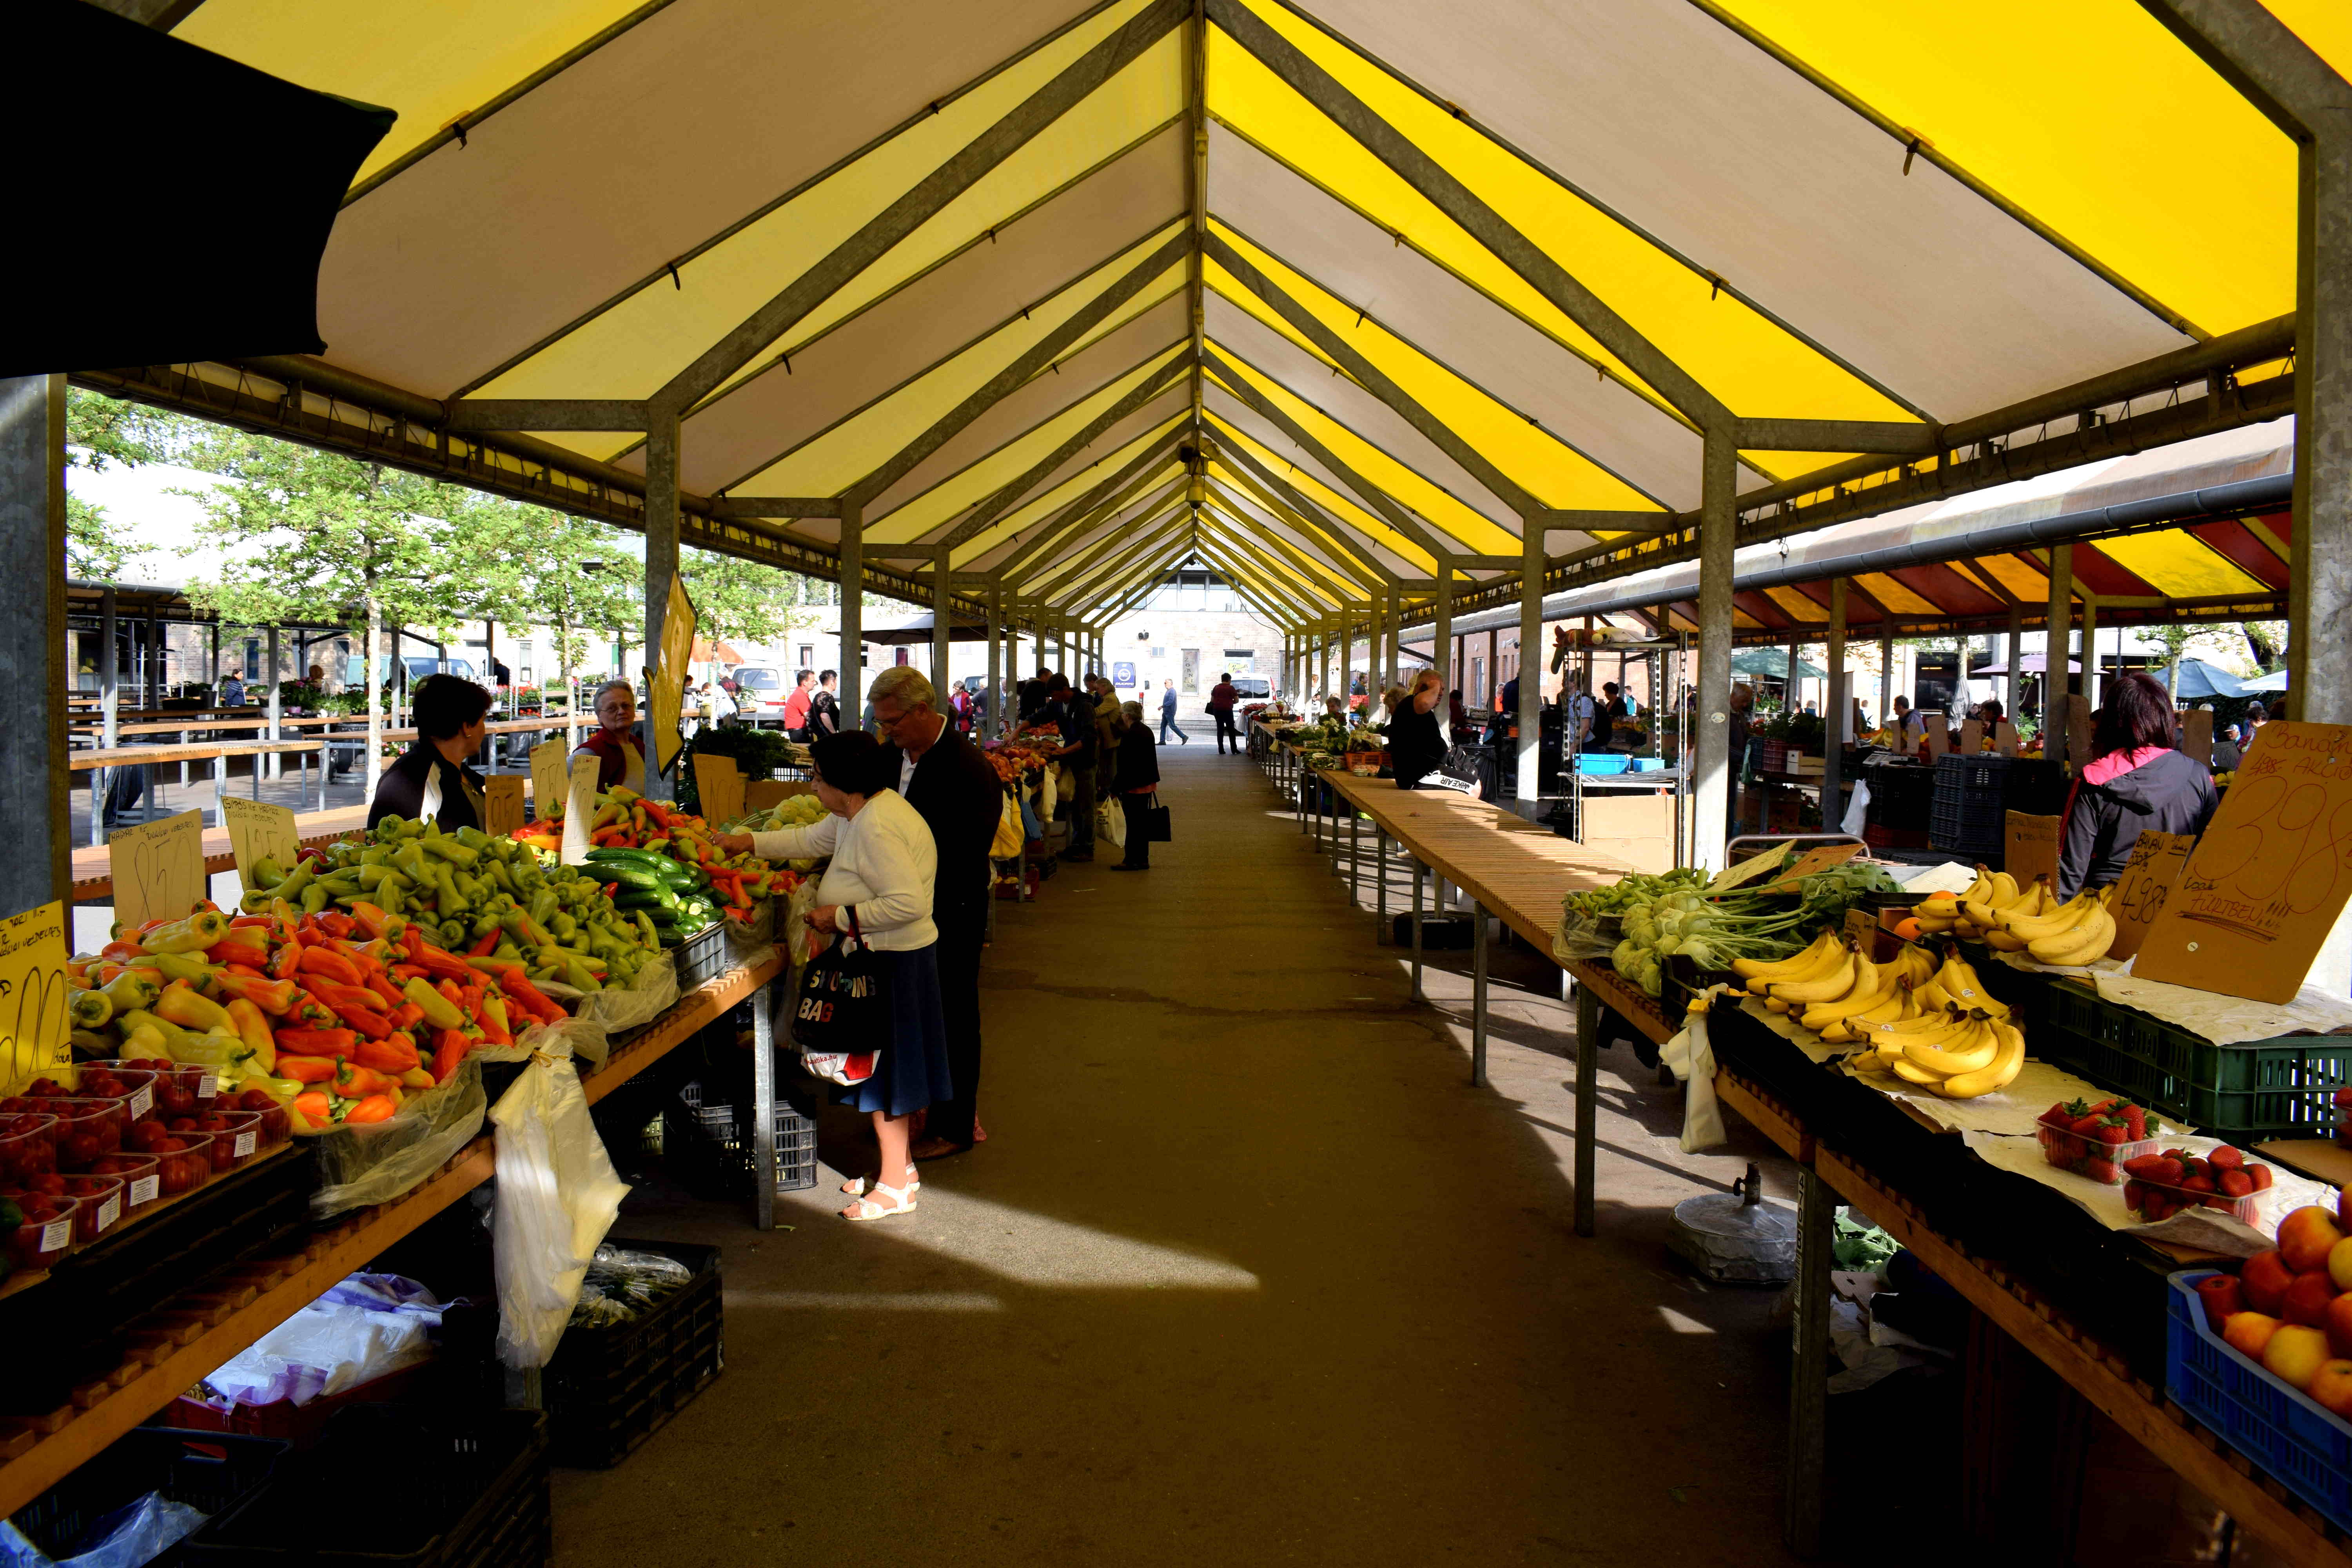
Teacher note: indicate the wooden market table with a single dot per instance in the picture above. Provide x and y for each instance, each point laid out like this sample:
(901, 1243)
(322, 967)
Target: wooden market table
(221, 1314)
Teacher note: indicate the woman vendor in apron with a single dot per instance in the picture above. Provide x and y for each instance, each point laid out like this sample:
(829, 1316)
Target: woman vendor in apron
(613, 743)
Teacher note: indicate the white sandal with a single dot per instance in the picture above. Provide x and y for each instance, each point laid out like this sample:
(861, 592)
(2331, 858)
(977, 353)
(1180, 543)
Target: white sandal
(901, 1202)
(858, 1188)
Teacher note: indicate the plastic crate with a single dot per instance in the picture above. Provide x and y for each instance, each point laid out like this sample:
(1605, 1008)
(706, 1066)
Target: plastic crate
(1601, 763)
(2036, 786)
(700, 957)
(1960, 830)
(2259, 1089)
(709, 1144)
(1987, 773)
(209, 1471)
(472, 1493)
(608, 1390)
(2306, 1448)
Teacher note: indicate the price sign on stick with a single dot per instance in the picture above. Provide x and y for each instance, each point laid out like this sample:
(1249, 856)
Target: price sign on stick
(2030, 848)
(579, 809)
(35, 1030)
(721, 782)
(2148, 878)
(1971, 737)
(259, 831)
(549, 777)
(2004, 738)
(502, 803)
(2263, 887)
(1939, 739)
(158, 868)
(1813, 861)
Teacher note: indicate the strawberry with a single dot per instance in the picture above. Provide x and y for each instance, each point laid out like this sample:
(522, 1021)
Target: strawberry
(2167, 1171)
(2100, 1170)
(2226, 1158)
(2196, 1183)
(2236, 1183)
(2136, 1121)
(2113, 1130)
(2057, 1116)
(2259, 1175)
(2143, 1164)
(2133, 1194)
(2088, 1125)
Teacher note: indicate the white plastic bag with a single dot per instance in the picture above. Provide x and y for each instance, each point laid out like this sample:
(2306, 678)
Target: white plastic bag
(378, 1162)
(1111, 823)
(1693, 1061)
(1857, 811)
(557, 1194)
(367, 1327)
(652, 993)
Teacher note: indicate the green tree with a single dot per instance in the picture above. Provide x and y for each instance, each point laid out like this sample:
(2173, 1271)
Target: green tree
(102, 430)
(741, 600)
(535, 567)
(311, 535)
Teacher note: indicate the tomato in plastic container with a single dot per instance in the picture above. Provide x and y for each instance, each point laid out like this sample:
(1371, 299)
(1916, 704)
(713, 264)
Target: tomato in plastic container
(277, 1122)
(183, 1161)
(101, 1205)
(236, 1139)
(45, 1232)
(135, 1087)
(181, 1087)
(86, 1129)
(141, 1174)
(28, 1147)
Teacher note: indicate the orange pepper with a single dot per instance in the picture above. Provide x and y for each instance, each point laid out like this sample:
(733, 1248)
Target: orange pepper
(374, 1107)
(305, 1069)
(332, 964)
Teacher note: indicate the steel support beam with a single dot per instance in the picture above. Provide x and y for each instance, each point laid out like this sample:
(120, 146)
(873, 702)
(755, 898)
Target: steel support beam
(852, 616)
(750, 508)
(942, 630)
(546, 413)
(910, 212)
(1102, 501)
(993, 698)
(1712, 780)
(33, 634)
(1441, 647)
(1835, 713)
(661, 570)
(1010, 496)
(1837, 436)
(2054, 666)
(1529, 776)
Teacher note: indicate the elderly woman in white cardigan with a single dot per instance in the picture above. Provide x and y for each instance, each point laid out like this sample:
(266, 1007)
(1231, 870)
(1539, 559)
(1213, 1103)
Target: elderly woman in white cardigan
(878, 883)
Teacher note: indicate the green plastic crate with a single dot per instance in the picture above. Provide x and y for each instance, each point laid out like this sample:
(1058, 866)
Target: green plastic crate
(2262, 1087)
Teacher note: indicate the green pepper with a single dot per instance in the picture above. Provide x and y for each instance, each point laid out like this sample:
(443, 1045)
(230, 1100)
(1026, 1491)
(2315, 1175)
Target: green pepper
(450, 850)
(452, 933)
(314, 899)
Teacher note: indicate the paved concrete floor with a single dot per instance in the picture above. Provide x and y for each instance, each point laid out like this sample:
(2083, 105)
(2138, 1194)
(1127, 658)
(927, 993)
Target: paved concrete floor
(1247, 1273)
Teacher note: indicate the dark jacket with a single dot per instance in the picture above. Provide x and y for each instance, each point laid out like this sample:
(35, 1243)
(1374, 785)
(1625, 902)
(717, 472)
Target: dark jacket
(956, 794)
(2168, 792)
(823, 715)
(1139, 761)
(1223, 696)
(401, 791)
(1416, 746)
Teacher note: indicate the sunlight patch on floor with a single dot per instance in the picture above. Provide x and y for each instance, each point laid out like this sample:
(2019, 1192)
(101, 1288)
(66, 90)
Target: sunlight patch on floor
(1053, 1254)
(1683, 1324)
(862, 1301)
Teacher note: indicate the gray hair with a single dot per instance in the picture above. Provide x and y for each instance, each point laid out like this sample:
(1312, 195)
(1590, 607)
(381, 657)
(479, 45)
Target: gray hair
(1134, 711)
(905, 684)
(613, 686)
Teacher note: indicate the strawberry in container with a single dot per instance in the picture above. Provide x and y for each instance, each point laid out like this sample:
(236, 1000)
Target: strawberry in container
(275, 1120)
(36, 1227)
(2098, 1139)
(2161, 1184)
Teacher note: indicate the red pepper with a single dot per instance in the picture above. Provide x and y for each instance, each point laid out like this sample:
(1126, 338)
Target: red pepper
(272, 997)
(338, 925)
(330, 963)
(121, 951)
(2221, 1296)
(383, 989)
(374, 1107)
(314, 1043)
(239, 922)
(488, 946)
(306, 1011)
(405, 972)
(449, 1051)
(315, 1107)
(407, 1016)
(517, 985)
(356, 1082)
(287, 961)
(660, 814)
(371, 919)
(357, 1009)
(443, 965)
(392, 1057)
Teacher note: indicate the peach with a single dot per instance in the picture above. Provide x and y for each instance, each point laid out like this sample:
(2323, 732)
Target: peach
(2249, 1334)
(2307, 1299)
(2295, 1354)
(2331, 1386)
(2339, 1264)
(2306, 1236)
(2338, 1325)
(2266, 1276)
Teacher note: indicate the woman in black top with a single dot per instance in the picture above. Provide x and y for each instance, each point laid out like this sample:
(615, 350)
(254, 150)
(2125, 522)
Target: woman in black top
(1138, 785)
(1416, 745)
(432, 780)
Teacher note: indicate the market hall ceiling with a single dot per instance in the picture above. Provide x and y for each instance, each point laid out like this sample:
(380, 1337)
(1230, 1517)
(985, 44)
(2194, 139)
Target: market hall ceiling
(1241, 235)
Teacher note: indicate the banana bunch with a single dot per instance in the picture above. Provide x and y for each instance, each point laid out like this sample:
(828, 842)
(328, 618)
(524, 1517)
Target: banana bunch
(1959, 1054)
(1979, 914)
(2077, 932)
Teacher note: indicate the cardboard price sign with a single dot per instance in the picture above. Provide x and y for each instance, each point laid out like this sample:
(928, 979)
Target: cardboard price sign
(721, 782)
(1938, 735)
(2197, 737)
(36, 1030)
(2148, 878)
(501, 804)
(2030, 848)
(2264, 887)
(2004, 738)
(666, 682)
(259, 831)
(549, 777)
(1813, 860)
(158, 869)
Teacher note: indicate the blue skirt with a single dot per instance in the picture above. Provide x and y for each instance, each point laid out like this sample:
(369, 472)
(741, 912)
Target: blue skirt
(913, 1071)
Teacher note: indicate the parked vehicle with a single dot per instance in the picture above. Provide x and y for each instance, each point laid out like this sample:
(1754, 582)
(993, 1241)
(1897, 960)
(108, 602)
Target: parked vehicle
(759, 689)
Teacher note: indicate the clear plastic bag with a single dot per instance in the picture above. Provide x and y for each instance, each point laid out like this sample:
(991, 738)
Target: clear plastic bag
(652, 993)
(621, 1284)
(367, 1327)
(556, 1195)
(800, 940)
(126, 1538)
(377, 1163)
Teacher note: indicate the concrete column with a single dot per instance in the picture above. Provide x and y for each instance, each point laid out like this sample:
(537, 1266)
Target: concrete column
(1530, 787)
(942, 624)
(2054, 666)
(1885, 679)
(1441, 629)
(661, 569)
(852, 613)
(1395, 637)
(1711, 751)
(1835, 709)
(277, 708)
(2090, 654)
(2016, 658)
(991, 704)
(33, 633)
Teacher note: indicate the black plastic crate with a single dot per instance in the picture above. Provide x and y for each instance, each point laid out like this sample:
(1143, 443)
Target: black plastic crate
(608, 1390)
(209, 1471)
(2036, 786)
(78, 1314)
(1986, 773)
(1968, 831)
(460, 1489)
(708, 1144)
(700, 957)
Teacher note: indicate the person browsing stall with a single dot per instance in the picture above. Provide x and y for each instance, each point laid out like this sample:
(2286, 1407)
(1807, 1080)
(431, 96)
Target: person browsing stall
(433, 781)
(879, 886)
(1137, 783)
(1416, 744)
(614, 741)
(2134, 781)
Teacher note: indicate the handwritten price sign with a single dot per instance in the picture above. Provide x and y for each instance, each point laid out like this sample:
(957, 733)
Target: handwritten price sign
(258, 831)
(159, 868)
(34, 1033)
(2148, 878)
(2273, 870)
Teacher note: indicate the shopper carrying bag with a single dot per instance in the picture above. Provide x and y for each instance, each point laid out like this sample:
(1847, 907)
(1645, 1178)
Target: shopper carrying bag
(1139, 792)
(878, 892)
(841, 1011)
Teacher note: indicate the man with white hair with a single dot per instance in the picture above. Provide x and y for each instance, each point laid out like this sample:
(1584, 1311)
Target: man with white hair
(955, 791)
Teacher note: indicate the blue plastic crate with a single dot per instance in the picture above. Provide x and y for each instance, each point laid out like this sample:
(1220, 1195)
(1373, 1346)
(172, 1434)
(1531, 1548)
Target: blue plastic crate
(1599, 763)
(2306, 1448)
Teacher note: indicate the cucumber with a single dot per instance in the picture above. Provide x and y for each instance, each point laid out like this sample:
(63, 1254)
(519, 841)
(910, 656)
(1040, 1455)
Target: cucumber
(630, 877)
(608, 855)
(683, 879)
